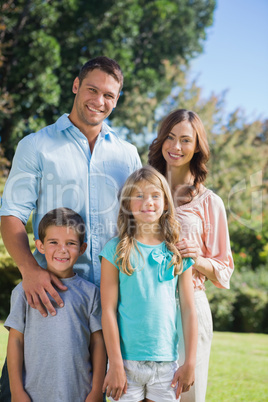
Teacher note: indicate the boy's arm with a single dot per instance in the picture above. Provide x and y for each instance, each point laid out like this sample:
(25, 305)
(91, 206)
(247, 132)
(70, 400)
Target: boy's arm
(115, 382)
(185, 375)
(15, 356)
(36, 281)
(98, 359)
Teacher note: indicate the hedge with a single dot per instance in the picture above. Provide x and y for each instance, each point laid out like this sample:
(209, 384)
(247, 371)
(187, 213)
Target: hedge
(243, 307)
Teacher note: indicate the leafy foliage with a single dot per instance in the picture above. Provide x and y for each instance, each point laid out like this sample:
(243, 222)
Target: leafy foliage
(244, 307)
(43, 44)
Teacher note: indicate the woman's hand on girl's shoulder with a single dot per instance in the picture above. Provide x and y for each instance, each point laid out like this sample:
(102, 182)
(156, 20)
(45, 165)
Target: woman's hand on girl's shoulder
(188, 249)
(115, 382)
(183, 378)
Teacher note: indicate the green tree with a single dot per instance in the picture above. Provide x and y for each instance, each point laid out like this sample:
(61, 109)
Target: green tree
(43, 44)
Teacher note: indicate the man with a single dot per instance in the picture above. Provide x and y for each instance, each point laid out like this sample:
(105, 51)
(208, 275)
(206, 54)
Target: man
(79, 163)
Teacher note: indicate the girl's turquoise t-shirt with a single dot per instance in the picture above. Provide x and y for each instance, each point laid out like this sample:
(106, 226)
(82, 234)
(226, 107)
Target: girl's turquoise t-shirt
(147, 318)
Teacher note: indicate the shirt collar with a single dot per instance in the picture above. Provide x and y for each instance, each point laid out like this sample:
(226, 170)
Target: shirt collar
(64, 123)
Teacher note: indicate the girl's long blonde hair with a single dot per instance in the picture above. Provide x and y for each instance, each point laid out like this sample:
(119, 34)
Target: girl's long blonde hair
(168, 225)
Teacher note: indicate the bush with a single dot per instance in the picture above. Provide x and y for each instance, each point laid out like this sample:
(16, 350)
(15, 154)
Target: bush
(10, 275)
(249, 247)
(222, 305)
(244, 307)
(249, 310)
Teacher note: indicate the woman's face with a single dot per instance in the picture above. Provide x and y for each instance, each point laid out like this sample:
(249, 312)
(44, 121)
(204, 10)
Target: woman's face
(180, 145)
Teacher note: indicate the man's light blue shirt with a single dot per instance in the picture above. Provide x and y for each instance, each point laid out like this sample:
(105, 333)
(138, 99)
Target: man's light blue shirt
(55, 168)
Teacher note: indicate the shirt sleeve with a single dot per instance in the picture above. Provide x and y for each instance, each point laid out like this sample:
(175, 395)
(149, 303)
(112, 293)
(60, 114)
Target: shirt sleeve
(109, 251)
(16, 317)
(95, 314)
(187, 263)
(22, 186)
(217, 241)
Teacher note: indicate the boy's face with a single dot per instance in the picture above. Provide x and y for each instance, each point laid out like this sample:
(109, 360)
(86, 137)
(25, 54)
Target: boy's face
(61, 248)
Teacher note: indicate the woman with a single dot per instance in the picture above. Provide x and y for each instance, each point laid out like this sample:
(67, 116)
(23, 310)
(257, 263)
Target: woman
(180, 152)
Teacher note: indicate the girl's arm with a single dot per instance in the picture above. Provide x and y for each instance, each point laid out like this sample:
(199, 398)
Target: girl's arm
(115, 382)
(15, 357)
(185, 375)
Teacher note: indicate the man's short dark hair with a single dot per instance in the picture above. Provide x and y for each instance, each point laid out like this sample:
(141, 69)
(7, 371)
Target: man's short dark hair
(62, 217)
(103, 63)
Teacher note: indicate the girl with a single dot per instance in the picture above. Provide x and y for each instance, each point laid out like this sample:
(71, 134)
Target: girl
(139, 275)
(181, 152)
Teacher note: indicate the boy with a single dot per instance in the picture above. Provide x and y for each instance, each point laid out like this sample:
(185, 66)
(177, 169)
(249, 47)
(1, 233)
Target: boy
(60, 357)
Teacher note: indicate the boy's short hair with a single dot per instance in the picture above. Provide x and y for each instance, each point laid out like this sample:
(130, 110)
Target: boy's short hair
(62, 217)
(103, 63)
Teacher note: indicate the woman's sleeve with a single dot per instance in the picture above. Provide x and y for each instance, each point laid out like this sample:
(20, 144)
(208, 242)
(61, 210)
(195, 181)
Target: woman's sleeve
(217, 241)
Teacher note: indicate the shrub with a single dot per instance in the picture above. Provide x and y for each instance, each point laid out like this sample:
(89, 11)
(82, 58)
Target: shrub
(249, 310)
(222, 305)
(244, 307)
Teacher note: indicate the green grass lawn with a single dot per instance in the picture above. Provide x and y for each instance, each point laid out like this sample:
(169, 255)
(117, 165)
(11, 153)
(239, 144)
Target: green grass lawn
(238, 366)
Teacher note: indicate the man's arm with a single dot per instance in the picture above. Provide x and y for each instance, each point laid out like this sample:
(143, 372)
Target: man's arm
(36, 280)
(98, 359)
(15, 356)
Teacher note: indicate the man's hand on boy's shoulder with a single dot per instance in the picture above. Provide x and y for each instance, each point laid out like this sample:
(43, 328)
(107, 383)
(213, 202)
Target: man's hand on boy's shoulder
(36, 284)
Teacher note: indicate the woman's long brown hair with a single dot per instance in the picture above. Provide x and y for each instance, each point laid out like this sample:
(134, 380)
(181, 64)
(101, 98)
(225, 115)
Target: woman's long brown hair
(198, 163)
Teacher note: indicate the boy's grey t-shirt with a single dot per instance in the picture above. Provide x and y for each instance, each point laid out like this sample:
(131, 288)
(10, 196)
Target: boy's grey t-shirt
(56, 348)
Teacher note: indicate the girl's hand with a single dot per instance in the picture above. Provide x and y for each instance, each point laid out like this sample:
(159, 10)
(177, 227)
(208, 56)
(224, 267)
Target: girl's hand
(115, 382)
(189, 249)
(184, 378)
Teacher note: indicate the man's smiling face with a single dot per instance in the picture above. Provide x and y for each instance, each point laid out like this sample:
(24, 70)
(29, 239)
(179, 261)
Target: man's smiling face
(96, 96)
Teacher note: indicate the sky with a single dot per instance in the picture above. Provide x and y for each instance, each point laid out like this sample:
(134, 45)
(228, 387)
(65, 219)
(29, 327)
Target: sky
(235, 57)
